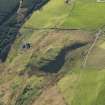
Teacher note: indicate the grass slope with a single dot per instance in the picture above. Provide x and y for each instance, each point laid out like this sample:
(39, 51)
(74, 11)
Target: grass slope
(85, 87)
(79, 14)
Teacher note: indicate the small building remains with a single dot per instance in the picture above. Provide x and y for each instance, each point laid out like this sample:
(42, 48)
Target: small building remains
(26, 46)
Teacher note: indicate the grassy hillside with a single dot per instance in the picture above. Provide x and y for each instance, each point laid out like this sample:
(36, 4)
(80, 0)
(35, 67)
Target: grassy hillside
(59, 36)
(79, 14)
(84, 87)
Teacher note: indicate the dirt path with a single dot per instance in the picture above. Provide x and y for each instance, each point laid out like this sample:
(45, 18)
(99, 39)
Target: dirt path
(51, 96)
(92, 46)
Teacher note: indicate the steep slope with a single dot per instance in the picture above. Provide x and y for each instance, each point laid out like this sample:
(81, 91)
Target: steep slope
(14, 16)
(44, 65)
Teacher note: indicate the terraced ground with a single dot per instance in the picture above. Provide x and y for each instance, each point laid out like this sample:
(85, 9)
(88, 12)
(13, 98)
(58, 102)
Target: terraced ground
(51, 71)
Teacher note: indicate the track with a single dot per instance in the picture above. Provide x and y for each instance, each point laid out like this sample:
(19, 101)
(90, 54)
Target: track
(53, 28)
(92, 46)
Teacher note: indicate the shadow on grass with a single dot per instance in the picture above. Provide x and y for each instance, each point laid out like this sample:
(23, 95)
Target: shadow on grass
(55, 65)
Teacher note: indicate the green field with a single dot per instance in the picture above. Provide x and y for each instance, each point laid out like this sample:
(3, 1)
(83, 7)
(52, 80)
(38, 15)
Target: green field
(84, 88)
(79, 14)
